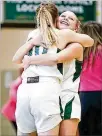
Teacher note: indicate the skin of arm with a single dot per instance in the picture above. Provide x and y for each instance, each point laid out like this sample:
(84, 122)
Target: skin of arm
(23, 50)
(83, 39)
(72, 36)
(17, 58)
(71, 52)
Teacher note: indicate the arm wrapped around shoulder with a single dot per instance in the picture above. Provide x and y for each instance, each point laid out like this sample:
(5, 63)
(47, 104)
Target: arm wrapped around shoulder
(83, 39)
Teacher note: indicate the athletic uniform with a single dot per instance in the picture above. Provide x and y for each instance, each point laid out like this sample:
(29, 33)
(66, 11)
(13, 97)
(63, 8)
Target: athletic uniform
(38, 96)
(70, 103)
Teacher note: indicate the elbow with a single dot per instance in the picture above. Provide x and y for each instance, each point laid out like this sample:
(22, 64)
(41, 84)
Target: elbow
(15, 60)
(90, 42)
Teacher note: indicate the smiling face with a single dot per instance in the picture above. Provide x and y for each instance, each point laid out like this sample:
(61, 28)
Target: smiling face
(68, 20)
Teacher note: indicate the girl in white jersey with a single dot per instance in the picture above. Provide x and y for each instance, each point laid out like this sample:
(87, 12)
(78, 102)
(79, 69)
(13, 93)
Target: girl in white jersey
(71, 70)
(42, 112)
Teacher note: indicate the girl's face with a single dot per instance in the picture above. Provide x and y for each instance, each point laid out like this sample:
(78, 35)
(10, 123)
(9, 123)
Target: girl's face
(67, 20)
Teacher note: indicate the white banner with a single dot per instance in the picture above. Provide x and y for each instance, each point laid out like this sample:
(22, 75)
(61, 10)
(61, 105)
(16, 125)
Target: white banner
(1, 11)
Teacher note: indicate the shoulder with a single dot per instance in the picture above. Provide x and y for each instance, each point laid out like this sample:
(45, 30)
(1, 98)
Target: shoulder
(32, 33)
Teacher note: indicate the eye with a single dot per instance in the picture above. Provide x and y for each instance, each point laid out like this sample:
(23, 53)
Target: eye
(62, 15)
(71, 18)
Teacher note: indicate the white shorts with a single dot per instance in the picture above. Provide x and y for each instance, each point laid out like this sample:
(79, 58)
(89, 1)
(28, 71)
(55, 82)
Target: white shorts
(70, 105)
(70, 102)
(38, 106)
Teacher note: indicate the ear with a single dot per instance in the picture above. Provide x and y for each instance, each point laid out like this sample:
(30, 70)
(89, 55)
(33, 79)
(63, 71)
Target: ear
(77, 25)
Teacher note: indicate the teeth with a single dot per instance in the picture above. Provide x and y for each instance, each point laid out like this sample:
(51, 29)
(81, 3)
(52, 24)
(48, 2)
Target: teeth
(63, 22)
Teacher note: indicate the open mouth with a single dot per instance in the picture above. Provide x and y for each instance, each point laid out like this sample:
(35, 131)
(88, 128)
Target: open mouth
(64, 22)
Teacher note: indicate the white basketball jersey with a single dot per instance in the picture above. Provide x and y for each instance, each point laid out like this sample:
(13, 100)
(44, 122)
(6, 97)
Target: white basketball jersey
(40, 70)
(71, 71)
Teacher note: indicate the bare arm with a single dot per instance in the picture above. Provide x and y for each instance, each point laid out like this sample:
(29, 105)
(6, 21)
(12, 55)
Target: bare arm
(17, 58)
(69, 53)
(73, 51)
(23, 50)
(83, 39)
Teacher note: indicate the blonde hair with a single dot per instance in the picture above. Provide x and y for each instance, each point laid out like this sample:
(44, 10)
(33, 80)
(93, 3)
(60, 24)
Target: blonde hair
(47, 14)
(94, 30)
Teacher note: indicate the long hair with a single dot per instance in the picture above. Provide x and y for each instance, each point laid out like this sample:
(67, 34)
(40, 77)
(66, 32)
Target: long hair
(47, 14)
(94, 30)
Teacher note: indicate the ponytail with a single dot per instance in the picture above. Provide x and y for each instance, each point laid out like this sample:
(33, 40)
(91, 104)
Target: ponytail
(45, 24)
